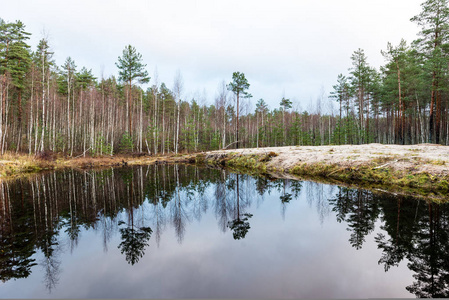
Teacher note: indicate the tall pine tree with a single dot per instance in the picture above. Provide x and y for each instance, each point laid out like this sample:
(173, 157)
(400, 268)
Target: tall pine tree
(433, 43)
(131, 68)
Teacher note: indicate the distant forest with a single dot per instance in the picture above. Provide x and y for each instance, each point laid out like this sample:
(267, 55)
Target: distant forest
(45, 107)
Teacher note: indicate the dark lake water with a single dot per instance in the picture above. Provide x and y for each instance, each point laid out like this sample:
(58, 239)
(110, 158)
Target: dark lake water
(186, 232)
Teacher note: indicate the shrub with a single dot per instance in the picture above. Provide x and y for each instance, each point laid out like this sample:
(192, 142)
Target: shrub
(126, 143)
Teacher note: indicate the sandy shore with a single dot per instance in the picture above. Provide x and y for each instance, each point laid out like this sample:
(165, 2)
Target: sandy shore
(433, 159)
(419, 170)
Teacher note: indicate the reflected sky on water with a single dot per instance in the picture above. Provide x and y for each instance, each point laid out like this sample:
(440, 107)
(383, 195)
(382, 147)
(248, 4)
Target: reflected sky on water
(186, 232)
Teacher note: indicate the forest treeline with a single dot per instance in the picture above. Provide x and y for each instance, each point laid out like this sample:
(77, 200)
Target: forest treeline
(46, 107)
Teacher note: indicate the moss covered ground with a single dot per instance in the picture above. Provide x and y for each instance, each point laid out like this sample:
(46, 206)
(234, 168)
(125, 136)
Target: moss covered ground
(371, 175)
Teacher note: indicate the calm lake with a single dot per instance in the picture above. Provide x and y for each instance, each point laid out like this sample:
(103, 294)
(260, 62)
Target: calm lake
(176, 231)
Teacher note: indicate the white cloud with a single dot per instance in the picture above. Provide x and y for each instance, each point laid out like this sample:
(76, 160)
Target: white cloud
(296, 46)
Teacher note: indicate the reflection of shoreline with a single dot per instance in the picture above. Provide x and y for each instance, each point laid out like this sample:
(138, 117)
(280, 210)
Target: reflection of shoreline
(72, 200)
(34, 212)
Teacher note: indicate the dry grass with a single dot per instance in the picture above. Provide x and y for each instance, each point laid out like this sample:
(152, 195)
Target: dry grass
(420, 169)
(14, 165)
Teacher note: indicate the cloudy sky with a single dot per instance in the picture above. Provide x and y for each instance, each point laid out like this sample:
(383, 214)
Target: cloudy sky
(284, 47)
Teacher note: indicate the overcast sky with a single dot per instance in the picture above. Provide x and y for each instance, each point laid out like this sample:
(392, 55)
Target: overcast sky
(292, 48)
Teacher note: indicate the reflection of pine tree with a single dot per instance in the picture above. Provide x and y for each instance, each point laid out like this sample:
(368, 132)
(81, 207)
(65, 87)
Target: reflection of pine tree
(282, 185)
(414, 232)
(73, 201)
(239, 225)
(296, 187)
(341, 204)
(35, 211)
(429, 259)
(16, 243)
(399, 222)
(363, 214)
(262, 184)
(286, 198)
(134, 241)
(360, 210)
(15, 257)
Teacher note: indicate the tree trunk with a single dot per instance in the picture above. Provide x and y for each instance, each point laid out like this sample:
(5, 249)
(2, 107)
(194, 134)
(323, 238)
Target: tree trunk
(177, 128)
(432, 105)
(129, 108)
(141, 122)
(237, 128)
(401, 123)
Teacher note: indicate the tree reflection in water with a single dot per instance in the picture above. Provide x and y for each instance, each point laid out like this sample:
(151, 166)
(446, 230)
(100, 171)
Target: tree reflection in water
(415, 230)
(17, 241)
(134, 241)
(134, 238)
(239, 225)
(136, 203)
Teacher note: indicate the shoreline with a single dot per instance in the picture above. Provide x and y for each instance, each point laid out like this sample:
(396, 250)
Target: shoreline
(417, 170)
(16, 165)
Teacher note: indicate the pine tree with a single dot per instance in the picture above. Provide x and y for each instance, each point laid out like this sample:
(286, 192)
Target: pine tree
(131, 68)
(359, 79)
(261, 109)
(238, 86)
(396, 57)
(340, 94)
(285, 105)
(15, 60)
(433, 43)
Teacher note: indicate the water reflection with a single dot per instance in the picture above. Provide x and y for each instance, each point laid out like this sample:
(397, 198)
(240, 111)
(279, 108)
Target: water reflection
(359, 209)
(239, 225)
(134, 241)
(415, 230)
(139, 204)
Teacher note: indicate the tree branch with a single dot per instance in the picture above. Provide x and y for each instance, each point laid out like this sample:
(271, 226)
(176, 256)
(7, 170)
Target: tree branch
(230, 145)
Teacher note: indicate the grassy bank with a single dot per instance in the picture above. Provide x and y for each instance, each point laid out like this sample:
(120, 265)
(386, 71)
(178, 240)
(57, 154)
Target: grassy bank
(375, 174)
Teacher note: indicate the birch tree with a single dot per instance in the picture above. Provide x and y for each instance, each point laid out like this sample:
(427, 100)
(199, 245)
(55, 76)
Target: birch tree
(177, 89)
